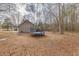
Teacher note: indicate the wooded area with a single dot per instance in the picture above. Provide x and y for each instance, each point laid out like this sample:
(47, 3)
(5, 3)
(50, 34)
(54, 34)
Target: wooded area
(52, 18)
(56, 17)
(66, 18)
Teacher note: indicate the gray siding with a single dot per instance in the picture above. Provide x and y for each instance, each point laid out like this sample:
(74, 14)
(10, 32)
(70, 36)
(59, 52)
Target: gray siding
(25, 27)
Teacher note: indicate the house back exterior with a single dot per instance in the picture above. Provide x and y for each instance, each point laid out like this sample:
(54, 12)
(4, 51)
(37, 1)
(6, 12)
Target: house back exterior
(25, 26)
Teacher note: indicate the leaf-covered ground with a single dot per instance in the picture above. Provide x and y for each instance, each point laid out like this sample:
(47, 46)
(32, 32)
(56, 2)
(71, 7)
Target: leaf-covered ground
(26, 45)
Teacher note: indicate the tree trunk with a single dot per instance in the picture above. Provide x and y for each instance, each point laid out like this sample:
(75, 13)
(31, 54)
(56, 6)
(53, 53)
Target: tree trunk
(61, 28)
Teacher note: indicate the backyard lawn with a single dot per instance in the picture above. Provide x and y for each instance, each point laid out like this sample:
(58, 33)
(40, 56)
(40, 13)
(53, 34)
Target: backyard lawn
(13, 43)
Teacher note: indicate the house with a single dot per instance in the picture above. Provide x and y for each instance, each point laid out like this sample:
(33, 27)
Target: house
(25, 26)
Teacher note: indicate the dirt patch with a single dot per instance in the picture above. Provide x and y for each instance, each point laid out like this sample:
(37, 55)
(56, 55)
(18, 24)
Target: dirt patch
(51, 44)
